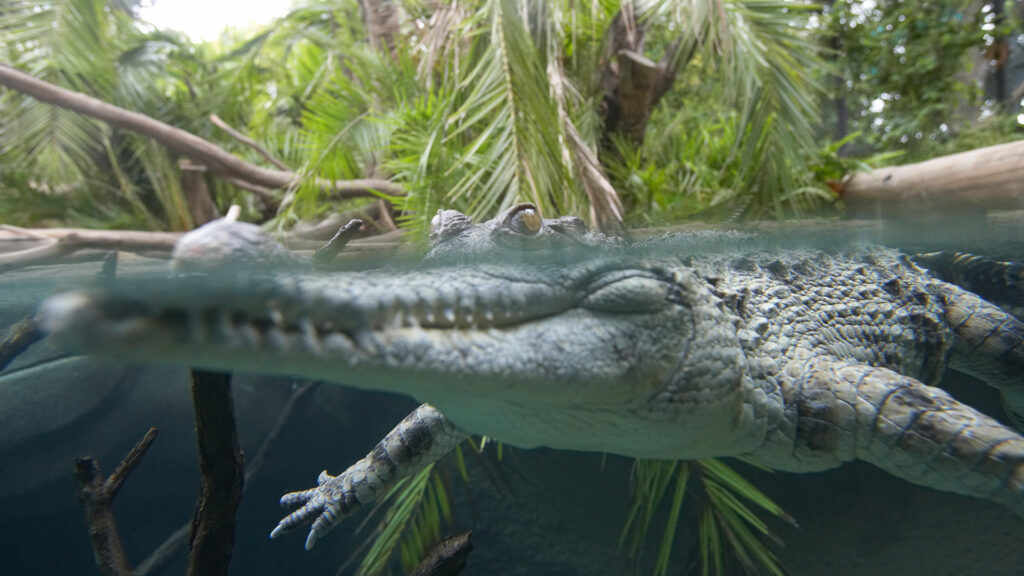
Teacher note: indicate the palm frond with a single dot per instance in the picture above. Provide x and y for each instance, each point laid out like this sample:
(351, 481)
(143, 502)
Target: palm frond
(163, 176)
(768, 64)
(604, 203)
(442, 43)
(651, 480)
(348, 124)
(420, 160)
(94, 47)
(780, 114)
(728, 531)
(66, 43)
(510, 121)
(408, 495)
(419, 508)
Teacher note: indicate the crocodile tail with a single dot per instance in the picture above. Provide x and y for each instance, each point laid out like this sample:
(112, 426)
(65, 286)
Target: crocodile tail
(999, 282)
(989, 345)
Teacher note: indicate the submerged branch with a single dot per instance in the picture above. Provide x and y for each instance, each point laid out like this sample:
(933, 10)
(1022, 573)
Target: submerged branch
(448, 558)
(175, 543)
(96, 495)
(222, 466)
(18, 339)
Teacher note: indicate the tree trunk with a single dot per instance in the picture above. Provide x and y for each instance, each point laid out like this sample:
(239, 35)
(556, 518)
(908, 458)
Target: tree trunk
(381, 20)
(197, 195)
(633, 84)
(986, 178)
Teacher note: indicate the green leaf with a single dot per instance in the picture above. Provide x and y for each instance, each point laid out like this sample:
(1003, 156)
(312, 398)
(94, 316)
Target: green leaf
(668, 538)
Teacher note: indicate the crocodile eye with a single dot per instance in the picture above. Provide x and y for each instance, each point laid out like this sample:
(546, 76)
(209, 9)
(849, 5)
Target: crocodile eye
(527, 221)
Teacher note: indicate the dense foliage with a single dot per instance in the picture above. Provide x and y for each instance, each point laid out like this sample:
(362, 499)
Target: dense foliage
(914, 74)
(62, 167)
(481, 104)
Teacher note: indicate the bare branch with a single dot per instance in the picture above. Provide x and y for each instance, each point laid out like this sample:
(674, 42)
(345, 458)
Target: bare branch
(153, 244)
(271, 202)
(219, 161)
(175, 543)
(219, 123)
(129, 464)
(123, 240)
(448, 558)
(48, 252)
(270, 440)
(59, 243)
(200, 203)
(386, 221)
(96, 496)
(371, 214)
(327, 253)
(18, 339)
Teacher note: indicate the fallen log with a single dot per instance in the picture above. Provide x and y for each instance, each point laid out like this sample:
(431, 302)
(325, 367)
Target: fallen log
(990, 178)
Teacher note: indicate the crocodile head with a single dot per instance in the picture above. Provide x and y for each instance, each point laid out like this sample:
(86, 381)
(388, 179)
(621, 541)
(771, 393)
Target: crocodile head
(534, 331)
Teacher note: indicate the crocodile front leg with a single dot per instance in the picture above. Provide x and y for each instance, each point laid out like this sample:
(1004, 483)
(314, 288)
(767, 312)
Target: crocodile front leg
(421, 438)
(838, 412)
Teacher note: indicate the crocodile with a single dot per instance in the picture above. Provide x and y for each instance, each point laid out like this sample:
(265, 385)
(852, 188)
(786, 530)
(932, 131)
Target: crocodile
(540, 332)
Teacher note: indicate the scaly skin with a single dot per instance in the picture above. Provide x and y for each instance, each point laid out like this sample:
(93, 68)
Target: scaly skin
(421, 438)
(539, 332)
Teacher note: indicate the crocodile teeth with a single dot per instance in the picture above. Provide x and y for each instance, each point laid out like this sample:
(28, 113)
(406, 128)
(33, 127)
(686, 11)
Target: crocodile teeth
(363, 340)
(222, 325)
(397, 320)
(276, 317)
(310, 335)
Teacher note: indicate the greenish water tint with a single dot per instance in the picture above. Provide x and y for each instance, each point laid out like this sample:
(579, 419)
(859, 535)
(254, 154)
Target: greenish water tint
(562, 514)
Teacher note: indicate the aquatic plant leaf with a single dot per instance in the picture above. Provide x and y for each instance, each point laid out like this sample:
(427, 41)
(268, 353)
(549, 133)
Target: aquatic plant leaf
(407, 494)
(729, 529)
(650, 479)
(728, 478)
(675, 509)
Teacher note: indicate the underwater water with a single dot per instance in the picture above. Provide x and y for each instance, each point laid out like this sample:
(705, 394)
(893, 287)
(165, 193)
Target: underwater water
(539, 511)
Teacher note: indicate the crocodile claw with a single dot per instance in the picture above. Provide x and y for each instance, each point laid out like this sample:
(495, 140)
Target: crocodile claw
(323, 506)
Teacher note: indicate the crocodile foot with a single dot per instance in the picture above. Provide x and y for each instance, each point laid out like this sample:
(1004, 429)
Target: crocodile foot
(420, 439)
(324, 506)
